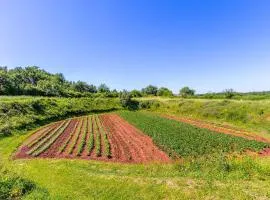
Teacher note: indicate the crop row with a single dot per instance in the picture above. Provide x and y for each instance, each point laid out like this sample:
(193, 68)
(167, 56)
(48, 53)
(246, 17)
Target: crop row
(186, 140)
(76, 137)
(43, 133)
(98, 137)
(83, 138)
(105, 138)
(64, 146)
(42, 141)
(47, 143)
(91, 136)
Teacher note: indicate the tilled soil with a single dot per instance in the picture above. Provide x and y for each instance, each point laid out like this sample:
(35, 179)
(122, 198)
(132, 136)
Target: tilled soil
(127, 144)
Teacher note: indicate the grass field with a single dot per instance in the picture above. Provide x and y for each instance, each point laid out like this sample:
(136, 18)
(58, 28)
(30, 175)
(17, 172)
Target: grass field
(207, 176)
(249, 115)
(221, 178)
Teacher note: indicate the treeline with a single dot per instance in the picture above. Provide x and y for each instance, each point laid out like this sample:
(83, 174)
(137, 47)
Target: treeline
(38, 82)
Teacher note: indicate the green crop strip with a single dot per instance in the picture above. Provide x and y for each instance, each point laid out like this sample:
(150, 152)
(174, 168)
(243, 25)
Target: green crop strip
(106, 140)
(44, 133)
(187, 140)
(46, 139)
(98, 138)
(91, 137)
(76, 136)
(64, 146)
(51, 140)
(83, 138)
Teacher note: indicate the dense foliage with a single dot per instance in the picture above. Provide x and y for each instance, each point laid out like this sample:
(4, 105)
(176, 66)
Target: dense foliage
(186, 140)
(186, 91)
(37, 82)
(21, 113)
(13, 186)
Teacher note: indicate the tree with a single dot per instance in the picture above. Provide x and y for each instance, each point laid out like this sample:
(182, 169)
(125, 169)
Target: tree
(4, 80)
(229, 93)
(136, 93)
(83, 87)
(125, 98)
(164, 92)
(150, 90)
(127, 102)
(186, 91)
(103, 88)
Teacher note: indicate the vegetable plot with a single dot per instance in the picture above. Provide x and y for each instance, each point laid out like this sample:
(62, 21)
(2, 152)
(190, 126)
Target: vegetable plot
(99, 137)
(186, 140)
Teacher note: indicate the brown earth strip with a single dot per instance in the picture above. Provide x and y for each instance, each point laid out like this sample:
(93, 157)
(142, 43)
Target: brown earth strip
(138, 153)
(217, 128)
(118, 151)
(146, 143)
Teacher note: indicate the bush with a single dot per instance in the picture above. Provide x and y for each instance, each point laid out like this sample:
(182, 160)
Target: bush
(127, 102)
(13, 187)
(186, 91)
(164, 92)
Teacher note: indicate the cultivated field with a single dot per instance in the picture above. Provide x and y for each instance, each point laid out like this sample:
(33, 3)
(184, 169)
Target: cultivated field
(99, 137)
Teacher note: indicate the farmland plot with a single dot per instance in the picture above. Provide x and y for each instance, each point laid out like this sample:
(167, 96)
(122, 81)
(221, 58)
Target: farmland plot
(185, 140)
(99, 137)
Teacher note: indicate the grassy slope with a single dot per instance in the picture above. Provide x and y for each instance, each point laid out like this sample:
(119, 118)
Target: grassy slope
(221, 178)
(249, 115)
(25, 112)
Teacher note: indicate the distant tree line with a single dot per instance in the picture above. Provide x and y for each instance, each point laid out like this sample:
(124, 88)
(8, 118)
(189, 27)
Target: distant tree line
(37, 82)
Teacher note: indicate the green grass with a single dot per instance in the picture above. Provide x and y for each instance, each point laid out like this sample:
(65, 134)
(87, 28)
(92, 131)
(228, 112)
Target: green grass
(186, 140)
(253, 116)
(206, 178)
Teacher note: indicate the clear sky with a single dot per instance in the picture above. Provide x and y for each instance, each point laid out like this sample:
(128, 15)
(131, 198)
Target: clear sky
(209, 45)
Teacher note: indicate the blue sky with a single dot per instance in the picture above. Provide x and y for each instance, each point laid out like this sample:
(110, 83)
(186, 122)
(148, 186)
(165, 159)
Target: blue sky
(209, 45)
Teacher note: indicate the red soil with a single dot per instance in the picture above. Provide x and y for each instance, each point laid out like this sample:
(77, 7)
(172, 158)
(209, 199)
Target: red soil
(218, 128)
(265, 152)
(137, 147)
(128, 144)
(53, 150)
